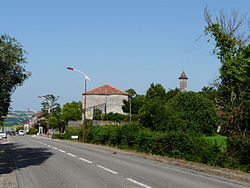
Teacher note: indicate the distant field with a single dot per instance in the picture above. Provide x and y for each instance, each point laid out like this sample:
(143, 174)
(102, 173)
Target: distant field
(220, 141)
(17, 118)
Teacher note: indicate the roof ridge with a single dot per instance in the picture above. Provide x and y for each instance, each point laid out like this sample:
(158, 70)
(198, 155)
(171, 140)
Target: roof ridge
(106, 89)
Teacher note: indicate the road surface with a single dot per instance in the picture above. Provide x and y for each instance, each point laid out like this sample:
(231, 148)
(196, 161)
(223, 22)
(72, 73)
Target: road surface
(45, 163)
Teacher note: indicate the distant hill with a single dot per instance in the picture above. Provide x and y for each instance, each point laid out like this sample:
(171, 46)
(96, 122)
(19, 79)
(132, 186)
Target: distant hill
(18, 118)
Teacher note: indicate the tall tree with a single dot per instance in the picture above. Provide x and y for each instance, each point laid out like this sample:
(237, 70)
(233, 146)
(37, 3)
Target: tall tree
(12, 70)
(155, 90)
(50, 104)
(152, 113)
(233, 50)
(72, 111)
(136, 102)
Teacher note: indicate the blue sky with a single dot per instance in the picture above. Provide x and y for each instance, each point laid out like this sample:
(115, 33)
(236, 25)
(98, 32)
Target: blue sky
(125, 43)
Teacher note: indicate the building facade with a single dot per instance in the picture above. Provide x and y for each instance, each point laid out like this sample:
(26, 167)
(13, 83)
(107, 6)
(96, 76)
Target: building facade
(105, 98)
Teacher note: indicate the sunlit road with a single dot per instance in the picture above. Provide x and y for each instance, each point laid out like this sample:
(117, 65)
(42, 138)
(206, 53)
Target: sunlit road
(50, 163)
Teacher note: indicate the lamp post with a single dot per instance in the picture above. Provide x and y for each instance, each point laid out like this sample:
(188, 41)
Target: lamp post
(84, 123)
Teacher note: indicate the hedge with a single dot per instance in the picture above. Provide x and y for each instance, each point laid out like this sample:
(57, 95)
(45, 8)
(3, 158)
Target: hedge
(177, 144)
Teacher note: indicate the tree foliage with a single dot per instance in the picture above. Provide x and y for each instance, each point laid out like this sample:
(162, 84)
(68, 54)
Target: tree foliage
(53, 122)
(233, 50)
(190, 111)
(50, 105)
(72, 111)
(152, 114)
(136, 102)
(12, 70)
(155, 90)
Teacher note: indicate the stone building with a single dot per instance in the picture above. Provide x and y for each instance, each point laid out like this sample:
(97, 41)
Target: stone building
(183, 82)
(105, 98)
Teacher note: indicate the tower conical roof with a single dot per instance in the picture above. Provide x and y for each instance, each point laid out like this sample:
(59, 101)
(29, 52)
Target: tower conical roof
(183, 76)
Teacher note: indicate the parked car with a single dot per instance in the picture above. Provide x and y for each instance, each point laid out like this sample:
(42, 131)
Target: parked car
(21, 133)
(12, 133)
(3, 134)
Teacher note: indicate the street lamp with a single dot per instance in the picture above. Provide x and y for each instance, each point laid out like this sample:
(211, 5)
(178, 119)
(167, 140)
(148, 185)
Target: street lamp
(84, 123)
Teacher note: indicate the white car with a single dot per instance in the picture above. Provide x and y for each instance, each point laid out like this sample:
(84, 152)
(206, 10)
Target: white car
(20, 133)
(3, 134)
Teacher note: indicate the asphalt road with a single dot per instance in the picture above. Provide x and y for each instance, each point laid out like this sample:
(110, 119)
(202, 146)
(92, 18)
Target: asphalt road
(50, 163)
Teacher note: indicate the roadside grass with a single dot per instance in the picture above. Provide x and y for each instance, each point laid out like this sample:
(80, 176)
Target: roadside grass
(220, 141)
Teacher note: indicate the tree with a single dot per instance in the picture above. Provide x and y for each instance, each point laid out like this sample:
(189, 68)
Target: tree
(155, 90)
(210, 93)
(190, 111)
(171, 93)
(12, 70)
(72, 111)
(152, 113)
(50, 105)
(51, 111)
(136, 102)
(233, 50)
(53, 122)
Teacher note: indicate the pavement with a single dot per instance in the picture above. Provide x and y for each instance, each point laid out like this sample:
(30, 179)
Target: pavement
(7, 166)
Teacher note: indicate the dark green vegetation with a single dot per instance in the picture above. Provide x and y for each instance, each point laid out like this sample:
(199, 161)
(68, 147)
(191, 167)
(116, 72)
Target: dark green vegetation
(12, 71)
(32, 131)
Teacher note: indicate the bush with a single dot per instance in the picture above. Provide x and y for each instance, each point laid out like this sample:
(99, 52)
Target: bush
(182, 145)
(32, 131)
(58, 136)
(239, 149)
(220, 141)
(73, 131)
(134, 136)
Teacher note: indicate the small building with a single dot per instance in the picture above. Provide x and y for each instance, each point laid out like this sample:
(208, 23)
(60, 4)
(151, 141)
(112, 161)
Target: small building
(105, 98)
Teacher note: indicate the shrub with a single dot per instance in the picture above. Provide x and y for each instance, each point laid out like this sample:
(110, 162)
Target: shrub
(220, 141)
(32, 131)
(73, 131)
(58, 136)
(178, 144)
(239, 149)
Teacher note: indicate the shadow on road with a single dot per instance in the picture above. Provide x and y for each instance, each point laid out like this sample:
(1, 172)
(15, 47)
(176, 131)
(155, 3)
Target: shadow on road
(14, 156)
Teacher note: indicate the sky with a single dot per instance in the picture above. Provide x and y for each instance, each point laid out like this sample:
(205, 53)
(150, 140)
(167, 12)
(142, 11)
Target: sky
(124, 43)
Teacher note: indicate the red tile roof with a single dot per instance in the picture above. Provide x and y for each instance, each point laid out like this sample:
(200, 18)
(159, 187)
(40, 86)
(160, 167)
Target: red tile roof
(106, 90)
(38, 114)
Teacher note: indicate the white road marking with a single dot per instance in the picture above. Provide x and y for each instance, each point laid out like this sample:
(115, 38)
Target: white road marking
(85, 160)
(62, 151)
(49, 146)
(55, 148)
(104, 168)
(138, 183)
(70, 154)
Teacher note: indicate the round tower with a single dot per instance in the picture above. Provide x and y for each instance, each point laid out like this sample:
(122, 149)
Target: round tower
(183, 82)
